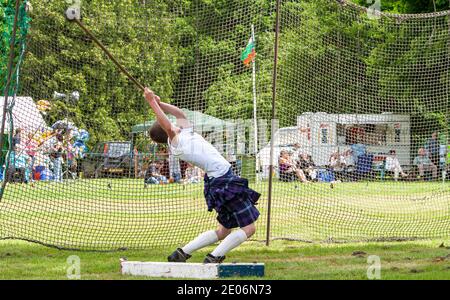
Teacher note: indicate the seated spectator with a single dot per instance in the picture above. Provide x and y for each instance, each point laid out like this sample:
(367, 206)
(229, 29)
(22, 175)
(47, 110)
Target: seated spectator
(15, 142)
(348, 159)
(193, 174)
(288, 171)
(342, 164)
(306, 164)
(358, 150)
(335, 162)
(296, 150)
(337, 165)
(19, 166)
(393, 165)
(174, 169)
(153, 174)
(424, 163)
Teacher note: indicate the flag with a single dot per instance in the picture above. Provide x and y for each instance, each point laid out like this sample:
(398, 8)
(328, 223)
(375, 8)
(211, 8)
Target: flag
(249, 53)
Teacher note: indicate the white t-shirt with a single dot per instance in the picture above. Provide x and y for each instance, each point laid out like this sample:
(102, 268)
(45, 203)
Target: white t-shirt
(193, 148)
(392, 163)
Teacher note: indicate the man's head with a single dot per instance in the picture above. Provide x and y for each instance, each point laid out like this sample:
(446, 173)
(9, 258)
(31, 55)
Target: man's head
(434, 135)
(284, 154)
(422, 152)
(157, 134)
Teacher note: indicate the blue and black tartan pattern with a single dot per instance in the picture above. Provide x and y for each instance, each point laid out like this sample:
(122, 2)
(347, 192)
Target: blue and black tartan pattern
(233, 200)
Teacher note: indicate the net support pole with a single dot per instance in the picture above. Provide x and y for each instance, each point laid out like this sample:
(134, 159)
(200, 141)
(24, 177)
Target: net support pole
(9, 78)
(272, 139)
(255, 103)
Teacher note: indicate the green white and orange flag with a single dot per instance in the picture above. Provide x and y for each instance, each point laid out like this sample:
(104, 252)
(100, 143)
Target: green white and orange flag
(249, 53)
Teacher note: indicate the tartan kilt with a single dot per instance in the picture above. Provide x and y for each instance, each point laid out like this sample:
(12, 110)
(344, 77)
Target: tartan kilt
(232, 199)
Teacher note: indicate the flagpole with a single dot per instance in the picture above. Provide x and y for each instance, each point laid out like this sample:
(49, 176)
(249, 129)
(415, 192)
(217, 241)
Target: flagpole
(255, 112)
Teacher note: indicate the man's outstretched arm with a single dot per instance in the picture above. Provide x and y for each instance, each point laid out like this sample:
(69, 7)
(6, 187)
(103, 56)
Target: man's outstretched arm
(172, 109)
(181, 117)
(161, 117)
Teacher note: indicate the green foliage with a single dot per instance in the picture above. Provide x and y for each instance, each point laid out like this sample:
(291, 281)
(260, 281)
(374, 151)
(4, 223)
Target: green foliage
(185, 53)
(7, 14)
(408, 6)
(67, 61)
(334, 62)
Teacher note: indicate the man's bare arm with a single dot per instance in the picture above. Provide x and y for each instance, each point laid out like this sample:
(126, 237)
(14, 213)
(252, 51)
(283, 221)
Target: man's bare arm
(181, 117)
(173, 110)
(161, 117)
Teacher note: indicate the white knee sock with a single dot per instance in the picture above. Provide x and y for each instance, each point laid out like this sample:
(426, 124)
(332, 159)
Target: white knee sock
(203, 240)
(230, 242)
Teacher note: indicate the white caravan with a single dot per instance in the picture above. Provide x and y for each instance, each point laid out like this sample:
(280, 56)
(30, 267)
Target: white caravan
(321, 134)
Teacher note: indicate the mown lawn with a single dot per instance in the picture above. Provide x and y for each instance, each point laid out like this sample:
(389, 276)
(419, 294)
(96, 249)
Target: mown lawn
(122, 214)
(116, 214)
(284, 260)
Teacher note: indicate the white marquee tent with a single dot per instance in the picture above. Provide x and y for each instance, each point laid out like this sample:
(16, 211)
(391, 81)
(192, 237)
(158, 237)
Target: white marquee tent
(25, 115)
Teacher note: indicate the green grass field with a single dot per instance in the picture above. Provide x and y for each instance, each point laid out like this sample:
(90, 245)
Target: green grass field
(284, 260)
(115, 214)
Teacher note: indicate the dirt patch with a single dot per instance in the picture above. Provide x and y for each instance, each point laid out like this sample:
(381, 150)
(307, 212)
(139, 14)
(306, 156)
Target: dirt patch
(416, 271)
(359, 254)
(441, 258)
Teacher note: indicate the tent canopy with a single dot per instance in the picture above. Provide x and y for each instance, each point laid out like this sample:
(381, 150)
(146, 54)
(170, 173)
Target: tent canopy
(202, 122)
(25, 114)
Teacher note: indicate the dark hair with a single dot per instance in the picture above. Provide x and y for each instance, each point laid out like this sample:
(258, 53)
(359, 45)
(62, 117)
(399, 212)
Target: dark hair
(392, 152)
(158, 134)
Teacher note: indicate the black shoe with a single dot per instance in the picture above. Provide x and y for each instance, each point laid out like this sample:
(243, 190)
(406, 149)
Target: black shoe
(210, 259)
(178, 256)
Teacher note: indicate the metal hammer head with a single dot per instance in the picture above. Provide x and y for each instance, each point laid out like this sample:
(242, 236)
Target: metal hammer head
(73, 14)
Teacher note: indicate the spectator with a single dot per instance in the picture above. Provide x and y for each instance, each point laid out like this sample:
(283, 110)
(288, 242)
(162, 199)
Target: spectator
(19, 171)
(174, 168)
(393, 165)
(306, 164)
(337, 165)
(433, 148)
(153, 174)
(424, 163)
(288, 171)
(31, 148)
(335, 162)
(348, 159)
(193, 174)
(18, 160)
(15, 143)
(296, 150)
(358, 150)
(57, 158)
(71, 161)
(16, 140)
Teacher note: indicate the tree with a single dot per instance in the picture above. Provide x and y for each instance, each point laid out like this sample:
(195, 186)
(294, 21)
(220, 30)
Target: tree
(61, 58)
(409, 6)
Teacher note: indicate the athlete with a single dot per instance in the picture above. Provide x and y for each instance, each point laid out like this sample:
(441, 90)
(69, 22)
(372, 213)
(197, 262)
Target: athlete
(226, 193)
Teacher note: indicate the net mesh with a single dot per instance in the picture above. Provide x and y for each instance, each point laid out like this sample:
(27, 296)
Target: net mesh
(352, 86)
